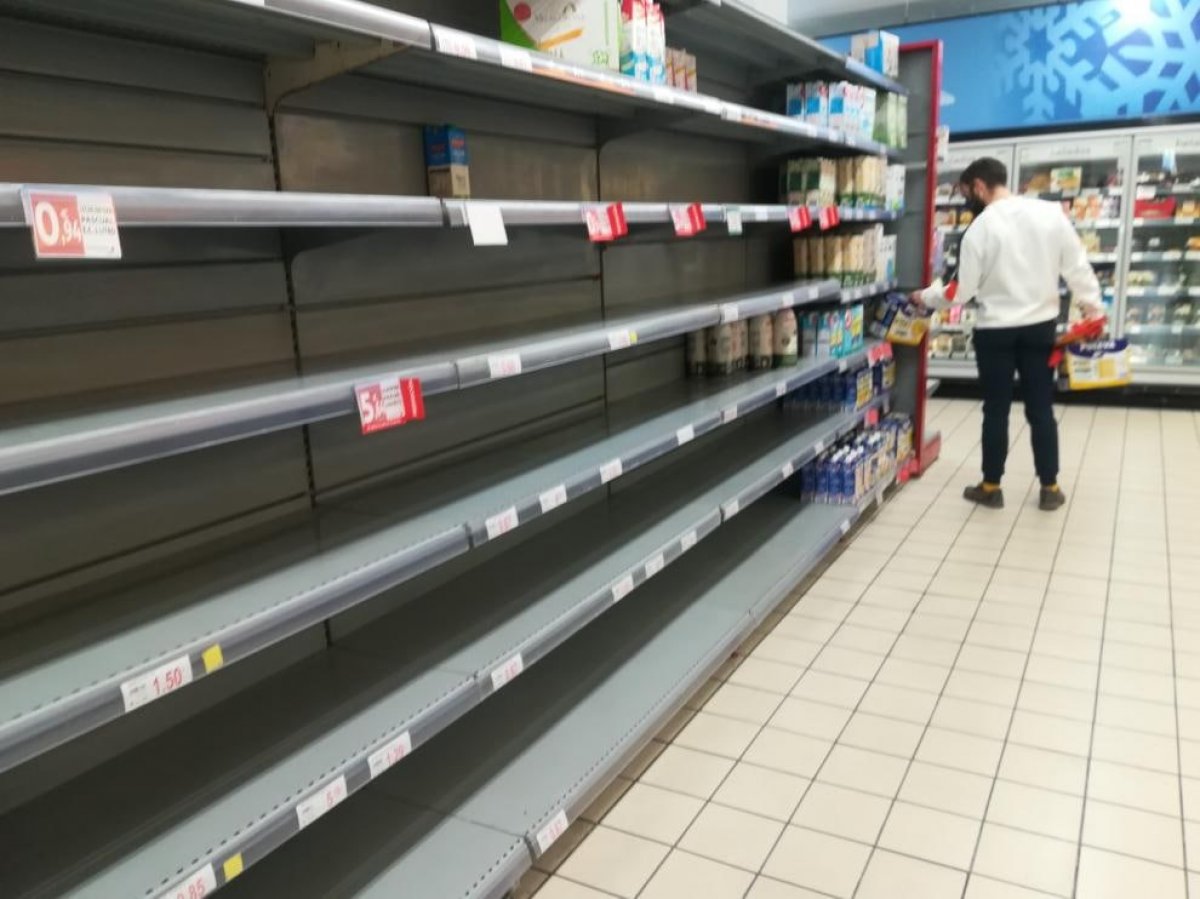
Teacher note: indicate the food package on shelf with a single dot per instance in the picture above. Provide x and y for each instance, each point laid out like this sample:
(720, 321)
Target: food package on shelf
(785, 348)
(816, 258)
(1067, 180)
(894, 191)
(446, 161)
(835, 263)
(794, 101)
(900, 321)
(741, 344)
(585, 32)
(816, 103)
(634, 39)
(902, 122)
(877, 50)
(800, 257)
(697, 353)
(845, 181)
(762, 342)
(719, 350)
(837, 104)
(656, 44)
(855, 271)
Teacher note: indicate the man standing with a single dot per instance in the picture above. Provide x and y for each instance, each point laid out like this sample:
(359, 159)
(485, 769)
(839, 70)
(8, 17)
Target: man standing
(1010, 261)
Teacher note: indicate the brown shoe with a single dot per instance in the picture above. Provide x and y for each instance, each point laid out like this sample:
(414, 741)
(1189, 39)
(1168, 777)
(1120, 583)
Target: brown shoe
(1051, 500)
(989, 499)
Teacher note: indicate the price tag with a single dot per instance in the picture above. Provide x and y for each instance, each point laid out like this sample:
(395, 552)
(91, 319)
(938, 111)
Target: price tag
(548, 835)
(729, 313)
(828, 218)
(687, 541)
(664, 95)
(814, 292)
(799, 218)
(845, 527)
(389, 403)
(620, 340)
(196, 886)
(1184, 220)
(819, 447)
(455, 43)
(780, 390)
(712, 105)
(872, 417)
(761, 214)
(72, 225)
(733, 220)
(502, 523)
(688, 220)
(729, 415)
(605, 223)
(1146, 192)
(655, 565)
(730, 509)
(553, 498)
(1176, 329)
(788, 470)
(610, 471)
(843, 365)
(166, 678)
(322, 801)
(622, 588)
(787, 299)
(504, 365)
(686, 434)
(487, 224)
(508, 671)
(515, 58)
(389, 754)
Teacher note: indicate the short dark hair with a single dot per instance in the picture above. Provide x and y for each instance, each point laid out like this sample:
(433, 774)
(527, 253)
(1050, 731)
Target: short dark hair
(992, 172)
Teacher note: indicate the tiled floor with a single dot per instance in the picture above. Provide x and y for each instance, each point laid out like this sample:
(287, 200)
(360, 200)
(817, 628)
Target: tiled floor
(967, 703)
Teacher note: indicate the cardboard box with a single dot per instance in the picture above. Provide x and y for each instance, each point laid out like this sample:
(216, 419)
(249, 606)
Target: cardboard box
(584, 32)
(446, 161)
(794, 104)
(878, 50)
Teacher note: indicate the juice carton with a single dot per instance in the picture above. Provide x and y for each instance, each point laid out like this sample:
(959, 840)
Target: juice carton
(816, 103)
(795, 101)
(446, 161)
(656, 44)
(878, 50)
(634, 40)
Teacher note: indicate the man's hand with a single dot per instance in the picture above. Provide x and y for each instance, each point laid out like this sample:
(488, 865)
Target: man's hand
(917, 298)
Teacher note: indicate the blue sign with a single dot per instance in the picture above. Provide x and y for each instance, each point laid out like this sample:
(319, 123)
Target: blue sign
(1091, 61)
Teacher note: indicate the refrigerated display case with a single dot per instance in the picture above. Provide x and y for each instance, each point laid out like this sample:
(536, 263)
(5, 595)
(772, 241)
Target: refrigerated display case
(1162, 286)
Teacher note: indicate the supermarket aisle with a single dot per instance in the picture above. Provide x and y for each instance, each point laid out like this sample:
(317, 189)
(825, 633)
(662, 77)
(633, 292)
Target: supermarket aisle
(991, 705)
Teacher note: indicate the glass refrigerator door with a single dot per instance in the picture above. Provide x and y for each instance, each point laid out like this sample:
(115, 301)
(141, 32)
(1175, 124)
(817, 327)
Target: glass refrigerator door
(952, 328)
(1087, 175)
(1162, 294)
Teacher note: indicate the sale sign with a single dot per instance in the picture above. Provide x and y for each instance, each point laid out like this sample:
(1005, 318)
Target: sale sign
(389, 403)
(688, 219)
(799, 218)
(72, 225)
(829, 218)
(605, 223)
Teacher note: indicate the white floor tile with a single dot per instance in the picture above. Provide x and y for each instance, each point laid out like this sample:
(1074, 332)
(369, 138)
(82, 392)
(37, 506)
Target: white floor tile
(654, 813)
(818, 861)
(1106, 875)
(1047, 812)
(762, 791)
(1026, 859)
(732, 836)
(889, 875)
(929, 834)
(684, 875)
(613, 862)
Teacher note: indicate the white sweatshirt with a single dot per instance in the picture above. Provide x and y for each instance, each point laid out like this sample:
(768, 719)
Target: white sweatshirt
(1010, 261)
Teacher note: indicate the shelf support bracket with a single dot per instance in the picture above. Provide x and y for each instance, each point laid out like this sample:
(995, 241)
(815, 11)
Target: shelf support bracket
(284, 77)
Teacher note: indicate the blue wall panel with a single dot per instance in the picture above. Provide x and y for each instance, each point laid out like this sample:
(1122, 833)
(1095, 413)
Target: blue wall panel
(1091, 61)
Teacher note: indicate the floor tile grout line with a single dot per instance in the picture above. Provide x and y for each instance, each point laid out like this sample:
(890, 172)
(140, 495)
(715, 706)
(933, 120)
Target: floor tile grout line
(1017, 699)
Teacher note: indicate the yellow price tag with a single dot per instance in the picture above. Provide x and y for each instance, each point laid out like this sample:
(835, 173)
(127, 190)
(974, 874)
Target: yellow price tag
(233, 867)
(213, 658)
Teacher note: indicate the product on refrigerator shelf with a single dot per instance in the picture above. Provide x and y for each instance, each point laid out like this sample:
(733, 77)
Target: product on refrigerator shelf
(1066, 180)
(446, 161)
(837, 105)
(583, 31)
(719, 352)
(656, 44)
(741, 344)
(837, 334)
(816, 103)
(689, 65)
(762, 342)
(634, 40)
(877, 50)
(697, 353)
(785, 348)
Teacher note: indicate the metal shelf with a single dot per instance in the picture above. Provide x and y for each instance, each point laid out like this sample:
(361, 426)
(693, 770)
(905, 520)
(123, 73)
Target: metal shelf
(404, 678)
(1164, 293)
(952, 369)
(1165, 256)
(863, 291)
(320, 567)
(1097, 224)
(1162, 330)
(1164, 223)
(43, 452)
(734, 31)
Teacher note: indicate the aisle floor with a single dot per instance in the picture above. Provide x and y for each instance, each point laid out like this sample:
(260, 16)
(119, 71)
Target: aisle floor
(966, 703)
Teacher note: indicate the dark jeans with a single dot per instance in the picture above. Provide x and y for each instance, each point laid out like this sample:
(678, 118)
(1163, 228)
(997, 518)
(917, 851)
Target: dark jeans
(1000, 353)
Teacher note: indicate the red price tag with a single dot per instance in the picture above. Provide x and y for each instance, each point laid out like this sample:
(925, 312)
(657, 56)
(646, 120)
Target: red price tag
(828, 218)
(799, 218)
(605, 223)
(689, 220)
(389, 403)
(71, 225)
(872, 418)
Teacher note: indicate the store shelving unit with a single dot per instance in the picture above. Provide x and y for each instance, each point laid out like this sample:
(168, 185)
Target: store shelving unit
(272, 610)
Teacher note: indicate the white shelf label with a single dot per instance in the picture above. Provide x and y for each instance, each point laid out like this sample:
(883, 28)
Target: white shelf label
(712, 105)
(686, 434)
(729, 415)
(730, 509)
(487, 224)
(733, 220)
(72, 225)
(813, 293)
(166, 678)
(321, 801)
(780, 389)
(729, 313)
(196, 886)
(610, 471)
(687, 541)
(655, 565)
(819, 447)
(1176, 329)
(515, 58)
(788, 470)
(622, 588)
(508, 671)
(620, 340)
(504, 365)
(548, 835)
(787, 299)
(455, 43)
(389, 754)
(553, 498)
(502, 523)
(845, 528)
(761, 214)
(1172, 255)
(843, 365)
(664, 95)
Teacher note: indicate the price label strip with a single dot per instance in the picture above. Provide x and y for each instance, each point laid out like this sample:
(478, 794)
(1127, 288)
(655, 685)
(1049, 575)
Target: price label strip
(325, 799)
(733, 220)
(389, 403)
(166, 678)
(553, 498)
(72, 225)
(455, 43)
(622, 588)
(195, 886)
(486, 222)
(508, 672)
(501, 523)
(515, 58)
(389, 754)
(548, 835)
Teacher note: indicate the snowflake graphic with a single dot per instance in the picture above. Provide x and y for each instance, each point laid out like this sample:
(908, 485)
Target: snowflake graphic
(1093, 60)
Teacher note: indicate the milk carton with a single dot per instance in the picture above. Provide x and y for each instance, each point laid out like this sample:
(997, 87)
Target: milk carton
(816, 103)
(656, 44)
(634, 39)
(878, 50)
(446, 161)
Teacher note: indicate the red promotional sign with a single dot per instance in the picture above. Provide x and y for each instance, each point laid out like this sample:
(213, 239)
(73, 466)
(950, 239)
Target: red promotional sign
(389, 403)
(689, 220)
(828, 218)
(72, 226)
(605, 223)
(799, 218)
(872, 417)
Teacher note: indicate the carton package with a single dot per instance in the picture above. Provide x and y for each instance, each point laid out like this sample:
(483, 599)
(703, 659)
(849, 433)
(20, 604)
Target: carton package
(697, 353)
(857, 325)
(824, 344)
(583, 32)
(833, 322)
(894, 191)
(834, 258)
(671, 56)
(656, 44)
(845, 181)
(877, 50)
(902, 121)
(808, 335)
(856, 270)
(794, 103)
(762, 342)
(446, 161)
(785, 339)
(689, 67)
(816, 257)
(800, 257)
(837, 97)
(816, 103)
(634, 39)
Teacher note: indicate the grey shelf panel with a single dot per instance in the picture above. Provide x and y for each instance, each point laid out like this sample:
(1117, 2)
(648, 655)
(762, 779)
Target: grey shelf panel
(71, 446)
(952, 369)
(412, 672)
(736, 31)
(864, 291)
(317, 569)
(1165, 256)
(1163, 330)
